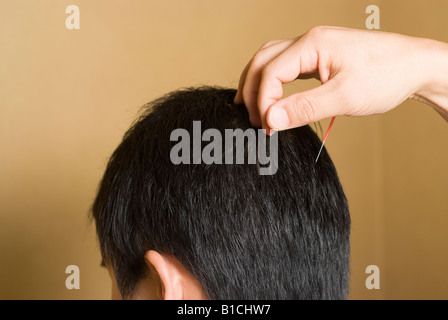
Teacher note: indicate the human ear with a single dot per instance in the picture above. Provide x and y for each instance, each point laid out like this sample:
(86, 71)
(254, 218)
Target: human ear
(176, 282)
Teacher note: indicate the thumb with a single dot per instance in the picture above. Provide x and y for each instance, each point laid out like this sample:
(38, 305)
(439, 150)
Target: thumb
(305, 107)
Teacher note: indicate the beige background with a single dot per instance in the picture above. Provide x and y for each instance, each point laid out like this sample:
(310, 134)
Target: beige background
(67, 96)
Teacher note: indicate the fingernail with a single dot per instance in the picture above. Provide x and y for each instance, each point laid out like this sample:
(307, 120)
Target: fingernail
(279, 118)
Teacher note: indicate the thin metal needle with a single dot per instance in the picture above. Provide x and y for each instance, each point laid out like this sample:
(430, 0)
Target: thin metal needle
(321, 147)
(325, 139)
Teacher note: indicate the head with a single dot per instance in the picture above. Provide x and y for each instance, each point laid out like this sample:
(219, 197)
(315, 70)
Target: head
(220, 231)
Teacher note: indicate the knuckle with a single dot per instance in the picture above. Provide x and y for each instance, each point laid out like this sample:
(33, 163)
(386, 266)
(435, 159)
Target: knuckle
(318, 31)
(267, 44)
(258, 60)
(305, 109)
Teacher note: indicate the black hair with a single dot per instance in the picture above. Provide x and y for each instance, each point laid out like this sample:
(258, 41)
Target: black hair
(241, 234)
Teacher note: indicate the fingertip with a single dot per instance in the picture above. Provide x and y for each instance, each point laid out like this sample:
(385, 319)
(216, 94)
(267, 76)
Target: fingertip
(238, 98)
(277, 118)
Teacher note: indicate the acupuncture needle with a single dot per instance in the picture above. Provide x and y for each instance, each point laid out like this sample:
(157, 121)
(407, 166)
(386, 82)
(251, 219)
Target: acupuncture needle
(325, 138)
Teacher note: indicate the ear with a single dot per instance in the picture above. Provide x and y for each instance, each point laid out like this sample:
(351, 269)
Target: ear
(177, 282)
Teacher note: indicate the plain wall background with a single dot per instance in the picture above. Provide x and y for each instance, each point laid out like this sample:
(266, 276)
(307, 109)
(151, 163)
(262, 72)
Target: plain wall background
(68, 96)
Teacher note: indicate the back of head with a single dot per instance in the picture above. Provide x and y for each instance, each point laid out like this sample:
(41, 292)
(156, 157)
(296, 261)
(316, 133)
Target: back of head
(241, 234)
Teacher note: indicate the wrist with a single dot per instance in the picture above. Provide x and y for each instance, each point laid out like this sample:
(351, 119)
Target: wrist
(433, 83)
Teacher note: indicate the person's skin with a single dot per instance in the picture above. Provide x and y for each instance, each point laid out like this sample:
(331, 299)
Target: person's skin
(362, 73)
(166, 279)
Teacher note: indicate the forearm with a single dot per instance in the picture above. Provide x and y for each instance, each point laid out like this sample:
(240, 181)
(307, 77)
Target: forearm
(434, 87)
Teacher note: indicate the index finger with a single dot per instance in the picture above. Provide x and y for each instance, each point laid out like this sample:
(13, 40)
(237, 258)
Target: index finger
(300, 58)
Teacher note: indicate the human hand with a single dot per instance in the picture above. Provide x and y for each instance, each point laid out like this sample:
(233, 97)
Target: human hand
(362, 73)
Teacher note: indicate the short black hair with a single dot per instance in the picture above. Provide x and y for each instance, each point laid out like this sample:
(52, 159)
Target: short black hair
(241, 234)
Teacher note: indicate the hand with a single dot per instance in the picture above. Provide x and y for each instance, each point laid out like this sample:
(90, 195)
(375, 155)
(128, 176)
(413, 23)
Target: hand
(362, 73)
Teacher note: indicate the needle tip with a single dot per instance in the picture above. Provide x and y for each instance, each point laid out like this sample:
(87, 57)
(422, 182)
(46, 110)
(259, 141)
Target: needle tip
(321, 147)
